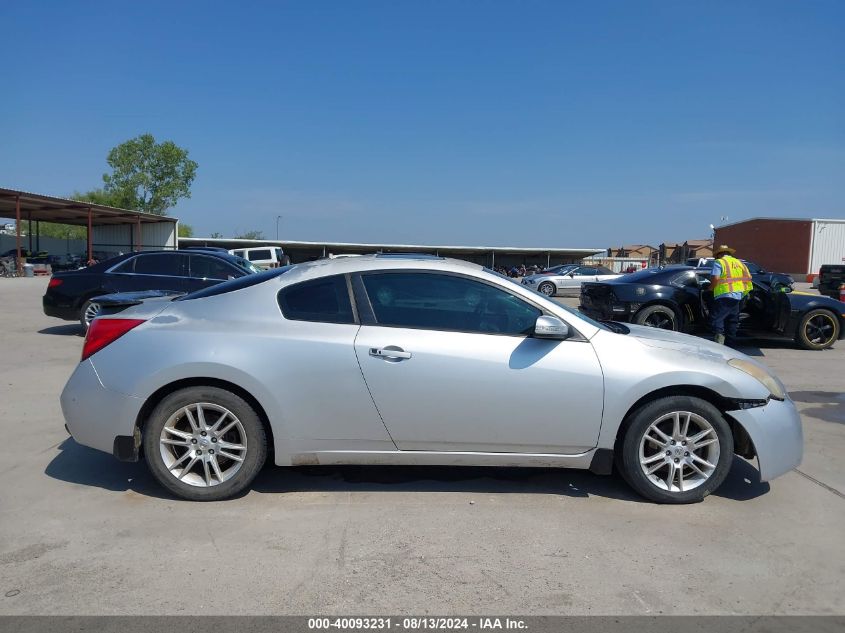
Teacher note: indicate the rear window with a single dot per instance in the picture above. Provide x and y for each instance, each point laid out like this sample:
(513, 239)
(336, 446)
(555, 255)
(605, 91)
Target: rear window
(325, 300)
(260, 255)
(236, 284)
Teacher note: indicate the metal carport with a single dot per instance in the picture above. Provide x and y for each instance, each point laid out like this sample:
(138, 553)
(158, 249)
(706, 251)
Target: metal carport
(120, 229)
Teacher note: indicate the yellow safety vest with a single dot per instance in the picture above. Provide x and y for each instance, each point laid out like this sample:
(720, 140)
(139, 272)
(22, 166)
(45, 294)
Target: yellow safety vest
(734, 278)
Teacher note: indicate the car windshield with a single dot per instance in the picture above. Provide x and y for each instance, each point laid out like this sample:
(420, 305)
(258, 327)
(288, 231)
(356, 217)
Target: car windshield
(651, 275)
(245, 263)
(571, 311)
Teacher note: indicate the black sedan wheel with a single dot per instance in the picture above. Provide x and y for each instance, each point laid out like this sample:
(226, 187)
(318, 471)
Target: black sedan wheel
(90, 311)
(660, 317)
(819, 329)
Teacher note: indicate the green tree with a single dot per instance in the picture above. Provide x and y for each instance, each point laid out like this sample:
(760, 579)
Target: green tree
(185, 230)
(152, 176)
(106, 198)
(216, 234)
(250, 235)
(62, 231)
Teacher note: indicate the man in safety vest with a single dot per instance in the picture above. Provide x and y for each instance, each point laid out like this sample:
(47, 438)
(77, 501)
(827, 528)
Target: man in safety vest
(730, 281)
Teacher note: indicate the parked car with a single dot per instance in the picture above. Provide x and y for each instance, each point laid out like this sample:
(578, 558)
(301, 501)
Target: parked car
(831, 277)
(679, 298)
(430, 362)
(570, 279)
(758, 273)
(264, 257)
(72, 295)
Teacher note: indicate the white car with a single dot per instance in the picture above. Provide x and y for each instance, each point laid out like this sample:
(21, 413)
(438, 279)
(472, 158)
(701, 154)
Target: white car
(571, 280)
(265, 257)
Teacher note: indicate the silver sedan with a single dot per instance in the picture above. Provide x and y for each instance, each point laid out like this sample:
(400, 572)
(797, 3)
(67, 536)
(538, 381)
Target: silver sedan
(569, 278)
(415, 360)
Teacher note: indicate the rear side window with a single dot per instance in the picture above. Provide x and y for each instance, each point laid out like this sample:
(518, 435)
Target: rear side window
(160, 264)
(325, 300)
(260, 255)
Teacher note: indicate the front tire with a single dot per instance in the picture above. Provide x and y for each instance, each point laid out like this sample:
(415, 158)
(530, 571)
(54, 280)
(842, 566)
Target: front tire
(547, 288)
(819, 329)
(676, 449)
(204, 443)
(658, 316)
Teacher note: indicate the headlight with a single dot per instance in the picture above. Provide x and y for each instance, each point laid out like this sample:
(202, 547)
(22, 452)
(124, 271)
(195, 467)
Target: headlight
(765, 378)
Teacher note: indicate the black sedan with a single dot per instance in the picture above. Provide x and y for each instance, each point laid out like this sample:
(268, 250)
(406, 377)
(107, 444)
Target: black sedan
(72, 295)
(679, 298)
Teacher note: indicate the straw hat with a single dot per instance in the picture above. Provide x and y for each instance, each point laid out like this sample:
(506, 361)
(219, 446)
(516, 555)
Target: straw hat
(723, 249)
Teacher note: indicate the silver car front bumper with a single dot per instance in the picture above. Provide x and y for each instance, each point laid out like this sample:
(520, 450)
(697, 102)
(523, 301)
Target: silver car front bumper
(775, 430)
(94, 415)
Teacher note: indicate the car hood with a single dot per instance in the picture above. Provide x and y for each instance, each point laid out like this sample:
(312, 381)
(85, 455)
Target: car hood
(684, 343)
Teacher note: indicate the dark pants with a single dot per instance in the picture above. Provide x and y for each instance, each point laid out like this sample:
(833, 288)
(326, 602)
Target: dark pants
(724, 317)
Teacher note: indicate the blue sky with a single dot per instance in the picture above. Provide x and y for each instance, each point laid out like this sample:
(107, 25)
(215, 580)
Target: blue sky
(503, 123)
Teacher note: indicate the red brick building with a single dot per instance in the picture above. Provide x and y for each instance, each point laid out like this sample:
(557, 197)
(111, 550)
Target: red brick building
(795, 246)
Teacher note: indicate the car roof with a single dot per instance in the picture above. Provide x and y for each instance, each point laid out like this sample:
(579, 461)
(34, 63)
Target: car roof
(343, 265)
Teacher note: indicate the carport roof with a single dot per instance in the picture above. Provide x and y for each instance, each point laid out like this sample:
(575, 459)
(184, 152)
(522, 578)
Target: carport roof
(41, 208)
(352, 247)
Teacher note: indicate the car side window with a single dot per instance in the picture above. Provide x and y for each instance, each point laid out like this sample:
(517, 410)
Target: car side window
(170, 265)
(447, 302)
(585, 271)
(203, 267)
(325, 300)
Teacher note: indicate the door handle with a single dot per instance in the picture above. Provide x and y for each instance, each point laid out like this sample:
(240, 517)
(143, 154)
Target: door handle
(391, 352)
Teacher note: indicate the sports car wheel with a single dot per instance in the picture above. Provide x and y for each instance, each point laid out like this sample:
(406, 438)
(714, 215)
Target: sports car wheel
(676, 450)
(204, 443)
(660, 317)
(819, 329)
(90, 311)
(547, 288)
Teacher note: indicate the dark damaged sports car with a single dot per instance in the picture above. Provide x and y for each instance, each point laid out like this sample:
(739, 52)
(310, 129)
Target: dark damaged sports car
(679, 298)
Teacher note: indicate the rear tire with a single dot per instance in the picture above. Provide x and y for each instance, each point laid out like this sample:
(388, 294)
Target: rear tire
(819, 329)
(686, 444)
(658, 316)
(213, 435)
(90, 310)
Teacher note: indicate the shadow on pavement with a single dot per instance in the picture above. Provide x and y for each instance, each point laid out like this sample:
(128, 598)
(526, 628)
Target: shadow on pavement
(81, 465)
(72, 329)
(832, 409)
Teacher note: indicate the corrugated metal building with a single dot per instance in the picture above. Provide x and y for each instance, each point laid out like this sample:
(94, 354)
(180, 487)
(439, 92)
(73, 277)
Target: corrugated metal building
(791, 245)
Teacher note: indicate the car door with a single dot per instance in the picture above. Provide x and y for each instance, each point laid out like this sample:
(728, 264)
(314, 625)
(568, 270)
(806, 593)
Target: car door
(575, 278)
(152, 271)
(204, 271)
(451, 366)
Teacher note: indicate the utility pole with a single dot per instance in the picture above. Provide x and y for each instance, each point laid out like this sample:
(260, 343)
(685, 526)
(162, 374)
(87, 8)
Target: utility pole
(278, 217)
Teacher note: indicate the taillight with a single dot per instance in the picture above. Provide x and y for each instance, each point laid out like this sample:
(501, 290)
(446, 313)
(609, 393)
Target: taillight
(54, 282)
(104, 332)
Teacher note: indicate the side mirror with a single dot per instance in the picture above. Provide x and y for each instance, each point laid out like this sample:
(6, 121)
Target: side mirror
(551, 327)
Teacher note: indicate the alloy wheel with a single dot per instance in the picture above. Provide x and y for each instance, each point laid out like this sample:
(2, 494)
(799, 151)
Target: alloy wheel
(547, 289)
(660, 320)
(92, 311)
(820, 329)
(203, 444)
(679, 451)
